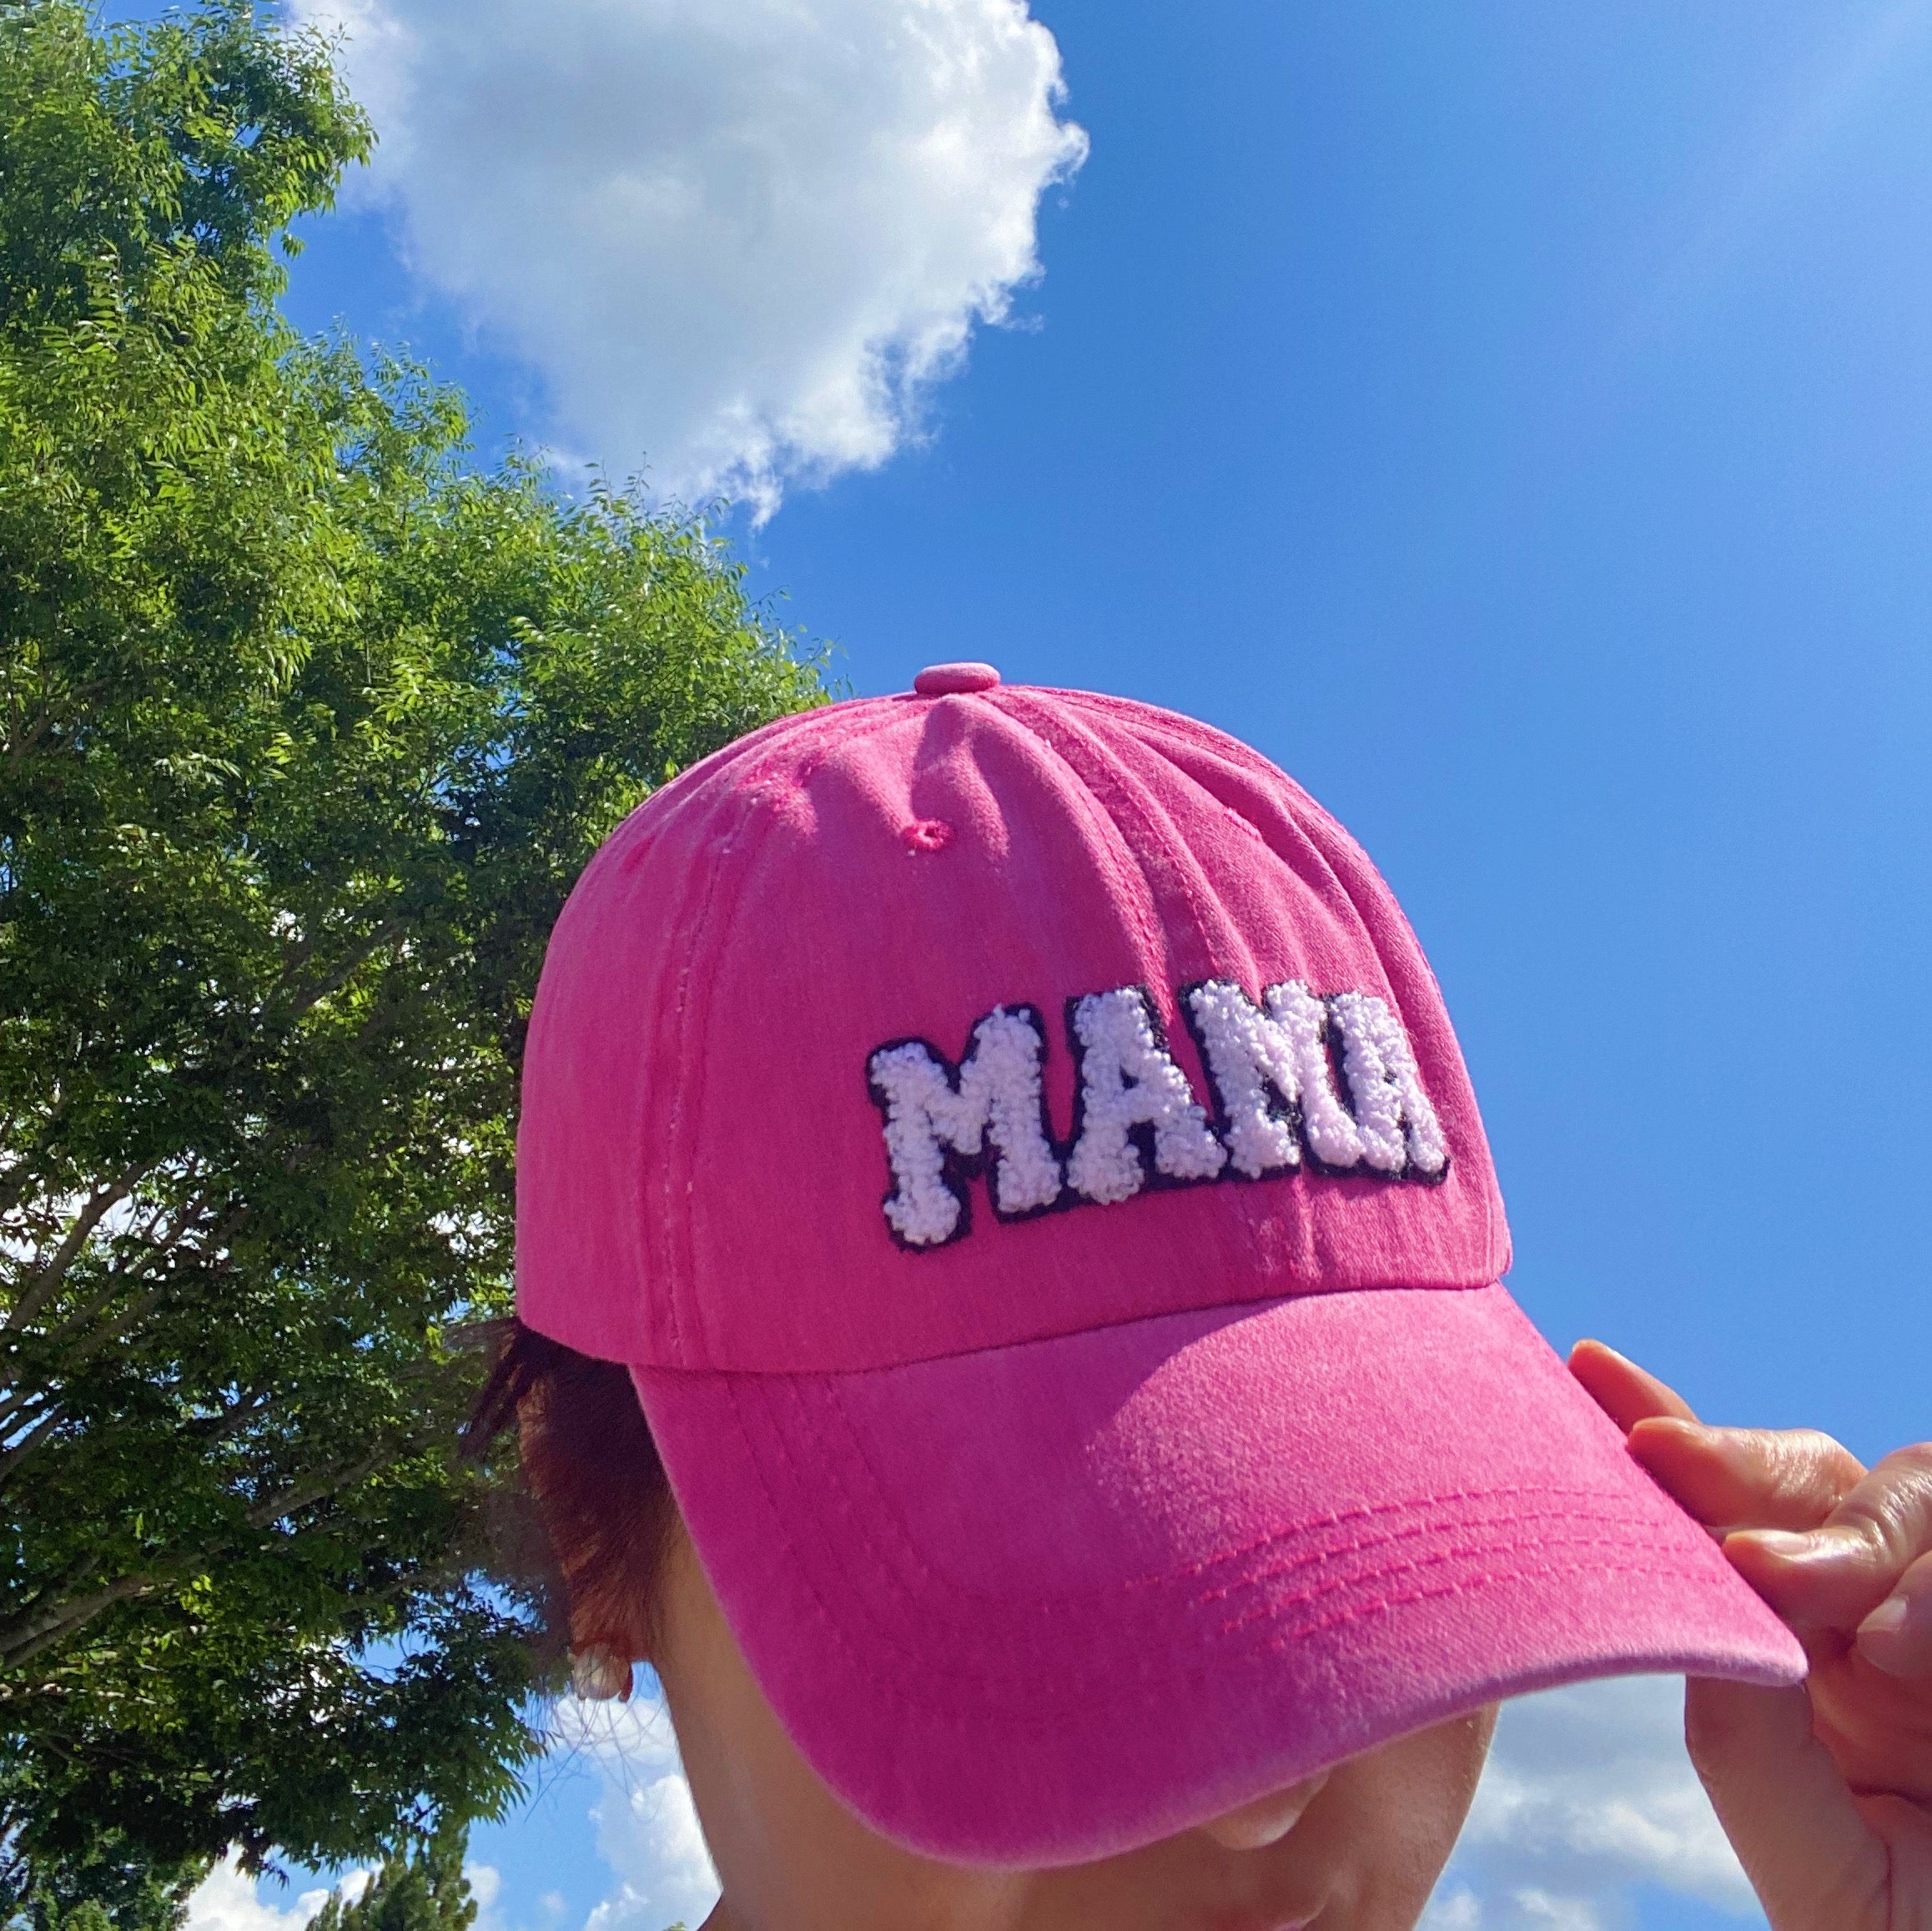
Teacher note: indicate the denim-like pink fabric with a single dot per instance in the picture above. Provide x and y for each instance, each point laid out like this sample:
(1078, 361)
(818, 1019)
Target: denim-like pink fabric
(700, 1165)
(1049, 1602)
(1082, 1528)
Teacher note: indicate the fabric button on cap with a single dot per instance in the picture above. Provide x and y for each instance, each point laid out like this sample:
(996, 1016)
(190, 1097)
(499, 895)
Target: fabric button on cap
(951, 680)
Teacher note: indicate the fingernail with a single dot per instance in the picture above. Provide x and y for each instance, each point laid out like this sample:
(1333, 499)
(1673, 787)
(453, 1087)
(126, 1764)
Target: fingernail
(1882, 1640)
(1887, 1619)
(1654, 1430)
(1810, 1545)
(1775, 1542)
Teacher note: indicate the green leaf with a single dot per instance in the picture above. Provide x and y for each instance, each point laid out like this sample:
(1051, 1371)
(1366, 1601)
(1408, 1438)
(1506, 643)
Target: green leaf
(307, 726)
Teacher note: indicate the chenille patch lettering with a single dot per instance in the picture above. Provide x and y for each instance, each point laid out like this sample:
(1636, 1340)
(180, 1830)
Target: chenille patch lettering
(1328, 1083)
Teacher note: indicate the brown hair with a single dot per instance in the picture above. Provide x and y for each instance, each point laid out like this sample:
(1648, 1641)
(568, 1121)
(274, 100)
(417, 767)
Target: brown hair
(598, 1499)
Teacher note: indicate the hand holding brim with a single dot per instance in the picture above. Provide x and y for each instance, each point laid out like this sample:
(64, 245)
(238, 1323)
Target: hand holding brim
(1824, 1790)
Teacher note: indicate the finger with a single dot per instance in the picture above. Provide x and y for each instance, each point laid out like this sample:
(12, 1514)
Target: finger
(1796, 1830)
(1748, 1478)
(1837, 1575)
(1624, 1392)
(1897, 1637)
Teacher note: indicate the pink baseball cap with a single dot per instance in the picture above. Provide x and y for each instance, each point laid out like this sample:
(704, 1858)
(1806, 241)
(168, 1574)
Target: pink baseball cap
(1018, 1147)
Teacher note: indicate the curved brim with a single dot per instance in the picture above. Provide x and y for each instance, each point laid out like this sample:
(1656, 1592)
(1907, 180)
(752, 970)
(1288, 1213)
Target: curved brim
(1049, 1602)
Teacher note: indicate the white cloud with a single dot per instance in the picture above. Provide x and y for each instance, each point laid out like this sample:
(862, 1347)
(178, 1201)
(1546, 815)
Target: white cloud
(1558, 1913)
(743, 240)
(226, 1901)
(229, 1899)
(650, 1838)
(1456, 1909)
(647, 1831)
(486, 1883)
(646, 1828)
(1588, 1793)
(631, 1740)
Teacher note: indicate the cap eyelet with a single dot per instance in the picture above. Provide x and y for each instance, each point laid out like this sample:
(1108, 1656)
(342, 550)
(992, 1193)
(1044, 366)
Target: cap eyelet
(927, 834)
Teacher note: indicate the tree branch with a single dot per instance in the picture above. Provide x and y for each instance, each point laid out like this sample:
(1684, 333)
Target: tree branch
(233, 1419)
(22, 1174)
(26, 1635)
(23, 1638)
(41, 1287)
(10, 1461)
(345, 969)
(324, 1483)
(19, 742)
(21, 1395)
(149, 1253)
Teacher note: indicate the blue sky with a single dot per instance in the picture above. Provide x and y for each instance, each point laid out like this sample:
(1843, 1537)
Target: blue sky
(1516, 420)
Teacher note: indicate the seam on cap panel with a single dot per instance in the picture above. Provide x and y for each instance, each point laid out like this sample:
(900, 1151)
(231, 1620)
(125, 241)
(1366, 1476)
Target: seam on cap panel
(1136, 715)
(1134, 719)
(659, 1229)
(866, 719)
(1149, 722)
(678, 1264)
(1191, 875)
(1038, 721)
(763, 759)
(1126, 788)
(685, 793)
(1299, 807)
(1204, 738)
(1145, 915)
(1128, 794)
(678, 1234)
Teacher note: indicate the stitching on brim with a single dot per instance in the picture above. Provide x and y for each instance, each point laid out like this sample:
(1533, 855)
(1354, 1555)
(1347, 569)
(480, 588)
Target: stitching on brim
(1073, 1686)
(972, 1721)
(1381, 1606)
(1469, 1552)
(1603, 1518)
(950, 1589)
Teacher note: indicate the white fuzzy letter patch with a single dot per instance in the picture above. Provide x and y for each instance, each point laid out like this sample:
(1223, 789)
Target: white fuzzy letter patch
(931, 1110)
(1272, 1064)
(1129, 1079)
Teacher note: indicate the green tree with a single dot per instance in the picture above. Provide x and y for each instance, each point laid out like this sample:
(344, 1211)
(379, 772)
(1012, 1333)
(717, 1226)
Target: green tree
(307, 724)
(425, 1891)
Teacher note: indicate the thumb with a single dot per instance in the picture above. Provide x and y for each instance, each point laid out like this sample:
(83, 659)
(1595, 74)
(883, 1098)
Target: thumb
(1798, 1831)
